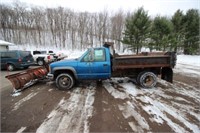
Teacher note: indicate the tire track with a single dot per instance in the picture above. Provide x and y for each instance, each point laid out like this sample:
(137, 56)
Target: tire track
(157, 106)
(71, 115)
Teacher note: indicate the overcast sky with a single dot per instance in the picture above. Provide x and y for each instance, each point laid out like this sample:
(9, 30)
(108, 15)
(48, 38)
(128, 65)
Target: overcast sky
(154, 7)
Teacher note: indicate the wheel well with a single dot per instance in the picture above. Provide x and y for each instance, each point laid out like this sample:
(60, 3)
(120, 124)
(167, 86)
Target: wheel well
(58, 72)
(8, 63)
(40, 58)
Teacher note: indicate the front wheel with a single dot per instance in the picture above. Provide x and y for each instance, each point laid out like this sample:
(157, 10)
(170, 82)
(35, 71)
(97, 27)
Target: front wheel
(64, 81)
(10, 67)
(147, 79)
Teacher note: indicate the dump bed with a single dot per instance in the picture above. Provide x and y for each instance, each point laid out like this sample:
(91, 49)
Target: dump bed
(145, 60)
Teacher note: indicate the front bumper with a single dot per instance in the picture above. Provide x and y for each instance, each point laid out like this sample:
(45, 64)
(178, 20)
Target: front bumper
(50, 76)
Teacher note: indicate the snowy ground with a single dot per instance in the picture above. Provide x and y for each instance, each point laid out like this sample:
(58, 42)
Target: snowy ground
(116, 105)
(188, 64)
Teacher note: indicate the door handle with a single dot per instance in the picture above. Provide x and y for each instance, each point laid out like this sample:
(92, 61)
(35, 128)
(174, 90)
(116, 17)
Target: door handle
(105, 64)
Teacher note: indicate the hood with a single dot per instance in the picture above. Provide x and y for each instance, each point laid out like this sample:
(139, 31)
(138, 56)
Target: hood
(67, 62)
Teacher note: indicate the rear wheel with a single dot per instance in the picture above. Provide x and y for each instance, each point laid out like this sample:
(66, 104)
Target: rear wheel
(138, 77)
(147, 79)
(10, 67)
(40, 62)
(65, 81)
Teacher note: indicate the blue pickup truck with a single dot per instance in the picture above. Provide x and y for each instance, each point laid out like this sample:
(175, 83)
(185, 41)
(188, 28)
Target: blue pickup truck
(102, 63)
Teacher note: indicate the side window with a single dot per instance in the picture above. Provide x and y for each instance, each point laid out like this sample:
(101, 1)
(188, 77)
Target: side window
(36, 52)
(2, 55)
(87, 57)
(99, 55)
(7, 55)
(12, 55)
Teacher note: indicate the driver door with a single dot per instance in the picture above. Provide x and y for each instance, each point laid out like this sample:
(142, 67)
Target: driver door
(84, 66)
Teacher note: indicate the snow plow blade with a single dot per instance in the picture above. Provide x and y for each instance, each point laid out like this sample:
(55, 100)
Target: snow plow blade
(25, 79)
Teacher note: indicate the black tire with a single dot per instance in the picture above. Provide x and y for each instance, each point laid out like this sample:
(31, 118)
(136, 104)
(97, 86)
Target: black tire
(40, 62)
(138, 77)
(148, 79)
(10, 67)
(65, 81)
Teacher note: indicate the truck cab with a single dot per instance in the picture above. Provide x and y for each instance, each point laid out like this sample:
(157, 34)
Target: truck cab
(94, 64)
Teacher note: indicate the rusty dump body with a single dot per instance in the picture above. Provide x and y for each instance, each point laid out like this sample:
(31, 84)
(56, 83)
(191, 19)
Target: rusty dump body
(23, 79)
(160, 63)
(145, 60)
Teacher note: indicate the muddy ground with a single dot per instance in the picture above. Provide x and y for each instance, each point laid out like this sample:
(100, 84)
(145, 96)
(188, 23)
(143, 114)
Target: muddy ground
(115, 105)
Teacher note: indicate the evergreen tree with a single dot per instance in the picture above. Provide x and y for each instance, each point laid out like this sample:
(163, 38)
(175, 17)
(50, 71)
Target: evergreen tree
(178, 30)
(137, 29)
(161, 33)
(191, 44)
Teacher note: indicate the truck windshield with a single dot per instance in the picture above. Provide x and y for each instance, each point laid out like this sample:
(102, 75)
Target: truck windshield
(81, 55)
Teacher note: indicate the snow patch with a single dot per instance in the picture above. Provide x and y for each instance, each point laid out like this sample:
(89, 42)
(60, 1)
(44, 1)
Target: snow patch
(115, 93)
(180, 90)
(71, 115)
(21, 130)
(189, 60)
(128, 110)
(189, 65)
(50, 90)
(130, 88)
(159, 110)
(16, 94)
(187, 70)
(132, 125)
(18, 104)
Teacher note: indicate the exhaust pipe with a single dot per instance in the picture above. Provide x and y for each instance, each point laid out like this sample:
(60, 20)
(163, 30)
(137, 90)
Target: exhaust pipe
(23, 80)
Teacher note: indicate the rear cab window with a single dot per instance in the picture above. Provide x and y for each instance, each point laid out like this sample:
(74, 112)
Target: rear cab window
(99, 55)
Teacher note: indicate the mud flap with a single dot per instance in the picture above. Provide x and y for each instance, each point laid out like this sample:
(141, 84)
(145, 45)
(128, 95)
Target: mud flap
(167, 74)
